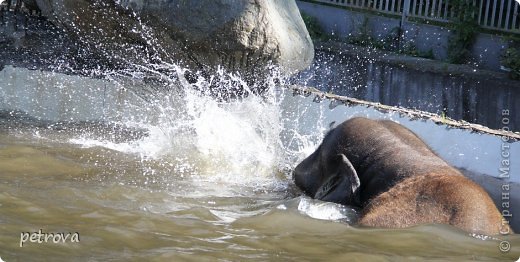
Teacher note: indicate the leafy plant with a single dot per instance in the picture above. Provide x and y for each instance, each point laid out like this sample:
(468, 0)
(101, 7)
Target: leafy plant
(465, 28)
(364, 36)
(391, 40)
(313, 26)
(411, 50)
(511, 60)
(428, 54)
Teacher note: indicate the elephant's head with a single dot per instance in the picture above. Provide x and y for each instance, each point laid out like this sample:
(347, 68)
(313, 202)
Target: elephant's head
(328, 177)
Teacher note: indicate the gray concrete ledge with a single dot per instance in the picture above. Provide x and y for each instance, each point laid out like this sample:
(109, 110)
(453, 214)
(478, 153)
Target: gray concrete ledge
(415, 63)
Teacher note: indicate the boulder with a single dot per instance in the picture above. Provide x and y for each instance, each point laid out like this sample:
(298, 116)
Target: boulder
(241, 36)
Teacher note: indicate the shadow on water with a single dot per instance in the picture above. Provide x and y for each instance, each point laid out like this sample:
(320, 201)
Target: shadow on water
(461, 98)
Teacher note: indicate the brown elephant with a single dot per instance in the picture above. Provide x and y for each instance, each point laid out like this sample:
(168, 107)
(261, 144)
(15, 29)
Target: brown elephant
(396, 180)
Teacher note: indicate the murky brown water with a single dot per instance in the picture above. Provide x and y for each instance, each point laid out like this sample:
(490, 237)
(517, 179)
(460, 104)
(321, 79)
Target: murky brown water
(169, 178)
(122, 211)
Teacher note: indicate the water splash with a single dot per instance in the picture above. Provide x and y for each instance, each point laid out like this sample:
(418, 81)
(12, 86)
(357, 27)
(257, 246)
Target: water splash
(238, 142)
(209, 127)
(327, 210)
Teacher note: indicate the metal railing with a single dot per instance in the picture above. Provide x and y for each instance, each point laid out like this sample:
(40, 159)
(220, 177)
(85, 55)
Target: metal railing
(502, 15)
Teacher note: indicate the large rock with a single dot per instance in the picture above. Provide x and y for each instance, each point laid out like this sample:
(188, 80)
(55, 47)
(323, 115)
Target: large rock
(236, 32)
(240, 35)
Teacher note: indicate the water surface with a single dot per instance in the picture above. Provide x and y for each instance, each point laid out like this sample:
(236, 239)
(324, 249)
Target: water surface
(189, 178)
(122, 210)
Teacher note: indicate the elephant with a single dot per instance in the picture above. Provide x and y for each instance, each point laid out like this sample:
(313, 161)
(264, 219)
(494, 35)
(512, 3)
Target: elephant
(395, 180)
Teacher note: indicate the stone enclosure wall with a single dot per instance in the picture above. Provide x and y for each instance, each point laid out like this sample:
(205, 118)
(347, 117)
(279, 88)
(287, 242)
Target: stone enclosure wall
(342, 22)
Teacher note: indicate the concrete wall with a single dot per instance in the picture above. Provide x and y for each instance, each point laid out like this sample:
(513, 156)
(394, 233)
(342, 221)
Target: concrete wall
(341, 22)
(426, 37)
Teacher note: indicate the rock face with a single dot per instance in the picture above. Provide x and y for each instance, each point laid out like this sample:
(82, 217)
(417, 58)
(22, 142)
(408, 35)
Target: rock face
(236, 33)
(239, 35)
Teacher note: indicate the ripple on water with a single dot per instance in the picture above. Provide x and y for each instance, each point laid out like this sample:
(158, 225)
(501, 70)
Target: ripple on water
(189, 190)
(138, 221)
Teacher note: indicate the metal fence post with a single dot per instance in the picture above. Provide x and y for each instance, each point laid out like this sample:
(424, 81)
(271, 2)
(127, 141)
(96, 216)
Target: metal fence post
(406, 11)
(404, 15)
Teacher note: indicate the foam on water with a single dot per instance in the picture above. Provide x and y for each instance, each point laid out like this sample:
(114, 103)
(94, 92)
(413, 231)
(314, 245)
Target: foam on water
(326, 210)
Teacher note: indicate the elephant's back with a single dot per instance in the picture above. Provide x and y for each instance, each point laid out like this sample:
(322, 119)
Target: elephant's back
(385, 153)
(387, 145)
(437, 198)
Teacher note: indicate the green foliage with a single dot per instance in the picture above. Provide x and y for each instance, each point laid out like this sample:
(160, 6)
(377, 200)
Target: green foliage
(388, 43)
(513, 40)
(364, 37)
(511, 60)
(465, 28)
(313, 27)
(391, 40)
(511, 56)
(411, 50)
(428, 54)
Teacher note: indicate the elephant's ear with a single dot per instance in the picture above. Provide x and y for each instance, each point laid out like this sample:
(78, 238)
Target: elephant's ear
(347, 169)
(341, 186)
